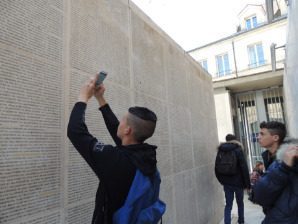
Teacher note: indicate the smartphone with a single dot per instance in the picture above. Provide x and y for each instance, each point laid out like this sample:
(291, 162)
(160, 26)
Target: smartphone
(100, 77)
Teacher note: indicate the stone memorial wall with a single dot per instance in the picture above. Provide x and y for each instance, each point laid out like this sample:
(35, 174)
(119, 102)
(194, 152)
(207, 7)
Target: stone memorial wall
(48, 49)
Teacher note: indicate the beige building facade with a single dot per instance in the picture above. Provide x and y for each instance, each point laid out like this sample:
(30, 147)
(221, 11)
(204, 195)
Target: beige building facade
(247, 69)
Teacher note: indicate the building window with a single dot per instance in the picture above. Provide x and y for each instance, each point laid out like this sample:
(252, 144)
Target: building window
(256, 55)
(204, 64)
(222, 64)
(251, 22)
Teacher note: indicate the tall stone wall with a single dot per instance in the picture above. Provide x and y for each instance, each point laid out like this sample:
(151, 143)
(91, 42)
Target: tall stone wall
(48, 48)
(291, 71)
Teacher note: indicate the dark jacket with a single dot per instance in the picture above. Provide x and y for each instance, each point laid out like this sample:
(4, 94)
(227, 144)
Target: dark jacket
(241, 178)
(267, 159)
(115, 166)
(277, 191)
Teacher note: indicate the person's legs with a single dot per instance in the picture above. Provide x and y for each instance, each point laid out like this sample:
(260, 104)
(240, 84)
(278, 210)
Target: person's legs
(229, 195)
(239, 199)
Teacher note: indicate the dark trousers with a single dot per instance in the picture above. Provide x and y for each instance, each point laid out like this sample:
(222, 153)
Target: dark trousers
(229, 194)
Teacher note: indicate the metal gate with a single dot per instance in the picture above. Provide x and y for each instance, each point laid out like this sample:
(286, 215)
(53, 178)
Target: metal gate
(253, 108)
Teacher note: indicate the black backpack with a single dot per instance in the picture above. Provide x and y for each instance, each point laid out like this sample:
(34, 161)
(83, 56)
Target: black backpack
(226, 162)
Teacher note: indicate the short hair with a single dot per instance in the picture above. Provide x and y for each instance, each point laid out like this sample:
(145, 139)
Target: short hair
(230, 137)
(275, 128)
(259, 163)
(142, 121)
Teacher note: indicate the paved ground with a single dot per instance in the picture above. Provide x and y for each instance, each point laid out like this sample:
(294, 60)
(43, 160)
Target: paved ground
(253, 213)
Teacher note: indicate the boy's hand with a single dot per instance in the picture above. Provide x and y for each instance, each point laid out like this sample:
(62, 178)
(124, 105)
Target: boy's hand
(87, 90)
(99, 94)
(99, 91)
(290, 155)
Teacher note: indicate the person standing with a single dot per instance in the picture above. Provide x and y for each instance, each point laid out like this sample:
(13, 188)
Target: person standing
(277, 190)
(271, 136)
(231, 170)
(115, 166)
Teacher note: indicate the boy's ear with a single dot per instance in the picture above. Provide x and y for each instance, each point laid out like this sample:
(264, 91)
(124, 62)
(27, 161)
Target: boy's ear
(276, 138)
(127, 130)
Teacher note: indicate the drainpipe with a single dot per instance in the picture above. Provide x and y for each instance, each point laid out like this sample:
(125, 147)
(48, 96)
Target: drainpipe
(235, 62)
(273, 57)
(269, 9)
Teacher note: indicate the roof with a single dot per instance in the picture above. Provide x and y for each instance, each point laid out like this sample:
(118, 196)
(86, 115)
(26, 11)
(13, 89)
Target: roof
(239, 33)
(249, 5)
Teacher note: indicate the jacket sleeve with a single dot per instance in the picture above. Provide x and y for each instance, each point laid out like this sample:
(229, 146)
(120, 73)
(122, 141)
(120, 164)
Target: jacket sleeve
(270, 186)
(83, 141)
(244, 168)
(111, 122)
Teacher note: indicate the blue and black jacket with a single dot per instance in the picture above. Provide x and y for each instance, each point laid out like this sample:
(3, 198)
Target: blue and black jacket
(115, 166)
(277, 191)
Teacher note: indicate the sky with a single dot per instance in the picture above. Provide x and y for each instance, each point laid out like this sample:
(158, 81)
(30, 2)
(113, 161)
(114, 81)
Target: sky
(194, 23)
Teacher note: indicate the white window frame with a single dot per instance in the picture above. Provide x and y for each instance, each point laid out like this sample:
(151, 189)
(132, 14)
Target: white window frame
(258, 62)
(251, 22)
(226, 71)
